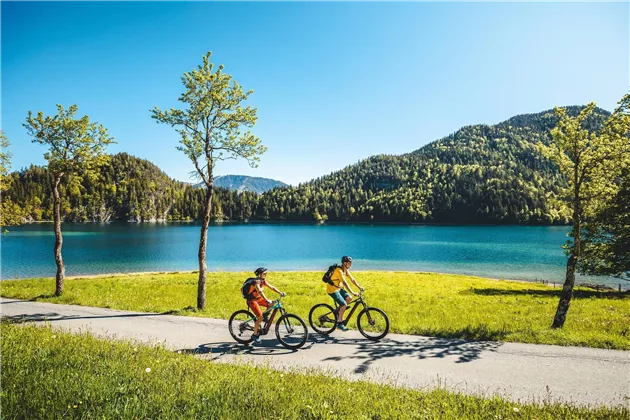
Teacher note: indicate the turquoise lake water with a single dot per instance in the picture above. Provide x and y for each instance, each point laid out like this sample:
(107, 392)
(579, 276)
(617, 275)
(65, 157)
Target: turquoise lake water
(511, 252)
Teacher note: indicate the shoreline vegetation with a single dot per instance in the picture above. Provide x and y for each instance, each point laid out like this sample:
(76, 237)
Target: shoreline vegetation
(541, 281)
(124, 379)
(429, 304)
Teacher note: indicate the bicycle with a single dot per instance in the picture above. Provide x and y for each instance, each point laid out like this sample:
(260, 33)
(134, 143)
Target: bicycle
(372, 322)
(291, 330)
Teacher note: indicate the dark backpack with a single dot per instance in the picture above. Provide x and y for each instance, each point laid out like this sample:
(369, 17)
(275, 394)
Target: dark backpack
(326, 279)
(245, 289)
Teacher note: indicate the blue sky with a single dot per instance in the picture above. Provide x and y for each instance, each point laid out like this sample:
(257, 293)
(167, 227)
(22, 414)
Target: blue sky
(334, 82)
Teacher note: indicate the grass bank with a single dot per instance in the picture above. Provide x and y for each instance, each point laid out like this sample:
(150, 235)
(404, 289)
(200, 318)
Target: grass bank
(47, 373)
(441, 305)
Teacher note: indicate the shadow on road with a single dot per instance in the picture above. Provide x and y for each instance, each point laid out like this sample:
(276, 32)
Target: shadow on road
(270, 347)
(366, 351)
(422, 348)
(53, 316)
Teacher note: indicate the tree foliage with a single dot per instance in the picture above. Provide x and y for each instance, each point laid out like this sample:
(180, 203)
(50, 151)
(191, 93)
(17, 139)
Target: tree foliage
(10, 213)
(592, 161)
(75, 146)
(210, 130)
(606, 234)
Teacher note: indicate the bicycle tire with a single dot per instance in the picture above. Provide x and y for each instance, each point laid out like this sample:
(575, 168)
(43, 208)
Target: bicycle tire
(323, 310)
(295, 324)
(236, 331)
(373, 316)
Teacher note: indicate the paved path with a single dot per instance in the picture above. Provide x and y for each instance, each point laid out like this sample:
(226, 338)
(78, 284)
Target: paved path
(523, 372)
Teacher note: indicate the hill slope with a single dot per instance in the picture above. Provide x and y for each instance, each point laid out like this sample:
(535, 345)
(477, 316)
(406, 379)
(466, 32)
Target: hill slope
(479, 174)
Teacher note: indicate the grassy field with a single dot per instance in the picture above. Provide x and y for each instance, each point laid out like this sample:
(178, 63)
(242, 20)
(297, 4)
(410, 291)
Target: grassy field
(49, 374)
(441, 305)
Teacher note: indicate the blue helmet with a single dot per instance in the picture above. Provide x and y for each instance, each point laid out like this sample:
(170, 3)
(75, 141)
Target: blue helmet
(260, 270)
(346, 258)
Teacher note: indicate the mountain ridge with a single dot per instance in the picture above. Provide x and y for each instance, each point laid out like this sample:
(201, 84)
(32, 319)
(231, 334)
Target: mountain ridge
(478, 174)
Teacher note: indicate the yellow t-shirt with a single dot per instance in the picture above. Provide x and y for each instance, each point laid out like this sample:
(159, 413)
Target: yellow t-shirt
(337, 278)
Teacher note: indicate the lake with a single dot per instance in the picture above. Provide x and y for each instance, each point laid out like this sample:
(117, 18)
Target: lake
(511, 252)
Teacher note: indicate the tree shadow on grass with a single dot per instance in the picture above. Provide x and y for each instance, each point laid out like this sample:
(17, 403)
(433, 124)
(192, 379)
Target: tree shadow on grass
(577, 294)
(42, 296)
(419, 347)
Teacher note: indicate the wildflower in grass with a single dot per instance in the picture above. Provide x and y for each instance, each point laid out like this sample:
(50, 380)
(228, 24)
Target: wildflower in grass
(135, 349)
(516, 410)
(147, 370)
(54, 336)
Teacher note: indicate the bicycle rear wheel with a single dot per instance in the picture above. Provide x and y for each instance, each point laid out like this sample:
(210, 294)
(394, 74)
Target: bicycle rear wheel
(373, 323)
(241, 326)
(323, 318)
(291, 331)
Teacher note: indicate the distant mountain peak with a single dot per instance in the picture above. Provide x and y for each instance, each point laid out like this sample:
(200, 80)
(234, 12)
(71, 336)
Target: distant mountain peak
(247, 183)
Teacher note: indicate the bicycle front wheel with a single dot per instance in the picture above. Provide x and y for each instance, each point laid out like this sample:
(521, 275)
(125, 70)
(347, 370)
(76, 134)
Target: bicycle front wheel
(323, 318)
(241, 326)
(291, 331)
(373, 323)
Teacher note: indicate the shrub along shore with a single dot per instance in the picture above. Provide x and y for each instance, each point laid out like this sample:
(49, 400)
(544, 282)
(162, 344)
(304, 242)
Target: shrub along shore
(47, 374)
(440, 305)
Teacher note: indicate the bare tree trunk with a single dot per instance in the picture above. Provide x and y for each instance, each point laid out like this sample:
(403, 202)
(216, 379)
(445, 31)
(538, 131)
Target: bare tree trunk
(61, 268)
(569, 282)
(203, 240)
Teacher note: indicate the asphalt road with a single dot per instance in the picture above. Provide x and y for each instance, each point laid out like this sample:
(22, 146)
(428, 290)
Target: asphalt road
(524, 372)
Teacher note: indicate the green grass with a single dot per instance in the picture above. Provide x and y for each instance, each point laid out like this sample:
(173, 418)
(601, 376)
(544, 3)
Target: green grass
(49, 374)
(441, 305)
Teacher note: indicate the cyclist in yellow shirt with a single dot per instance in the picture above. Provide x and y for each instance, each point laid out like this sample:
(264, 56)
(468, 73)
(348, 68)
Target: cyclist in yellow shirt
(337, 291)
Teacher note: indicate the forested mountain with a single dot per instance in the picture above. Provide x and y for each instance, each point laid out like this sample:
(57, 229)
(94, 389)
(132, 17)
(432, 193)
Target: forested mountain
(247, 183)
(479, 174)
(127, 188)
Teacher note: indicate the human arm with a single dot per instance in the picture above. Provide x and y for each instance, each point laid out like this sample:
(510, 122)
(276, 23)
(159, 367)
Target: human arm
(272, 287)
(355, 281)
(262, 294)
(347, 286)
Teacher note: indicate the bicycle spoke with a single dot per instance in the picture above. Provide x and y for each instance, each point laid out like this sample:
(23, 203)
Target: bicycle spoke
(291, 331)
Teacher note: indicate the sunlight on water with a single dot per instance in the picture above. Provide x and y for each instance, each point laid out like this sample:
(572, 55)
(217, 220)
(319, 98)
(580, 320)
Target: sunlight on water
(514, 252)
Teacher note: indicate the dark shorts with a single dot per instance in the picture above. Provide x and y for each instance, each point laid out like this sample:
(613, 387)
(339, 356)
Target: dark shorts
(340, 296)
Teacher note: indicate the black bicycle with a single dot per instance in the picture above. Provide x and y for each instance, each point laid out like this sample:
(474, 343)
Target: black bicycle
(371, 322)
(291, 331)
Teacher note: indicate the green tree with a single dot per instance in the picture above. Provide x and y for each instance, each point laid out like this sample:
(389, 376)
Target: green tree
(10, 213)
(210, 130)
(592, 162)
(606, 242)
(76, 147)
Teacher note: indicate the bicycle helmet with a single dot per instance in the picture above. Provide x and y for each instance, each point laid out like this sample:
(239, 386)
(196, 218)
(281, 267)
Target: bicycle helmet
(260, 270)
(345, 258)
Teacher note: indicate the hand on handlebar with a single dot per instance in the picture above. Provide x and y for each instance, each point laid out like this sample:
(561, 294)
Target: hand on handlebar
(282, 294)
(361, 289)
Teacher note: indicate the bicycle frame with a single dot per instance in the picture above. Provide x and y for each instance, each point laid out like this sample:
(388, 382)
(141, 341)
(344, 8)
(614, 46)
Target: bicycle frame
(355, 303)
(266, 325)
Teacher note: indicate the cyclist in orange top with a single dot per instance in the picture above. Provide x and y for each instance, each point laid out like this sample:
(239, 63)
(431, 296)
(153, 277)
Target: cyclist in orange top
(338, 292)
(256, 298)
